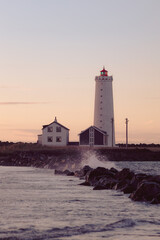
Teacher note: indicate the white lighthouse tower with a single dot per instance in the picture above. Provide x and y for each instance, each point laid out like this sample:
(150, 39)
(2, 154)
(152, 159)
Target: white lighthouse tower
(103, 109)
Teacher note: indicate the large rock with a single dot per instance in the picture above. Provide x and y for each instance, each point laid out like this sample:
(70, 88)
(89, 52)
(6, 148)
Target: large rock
(105, 182)
(66, 172)
(82, 173)
(95, 175)
(131, 185)
(124, 174)
(124, 178)
(146, 192)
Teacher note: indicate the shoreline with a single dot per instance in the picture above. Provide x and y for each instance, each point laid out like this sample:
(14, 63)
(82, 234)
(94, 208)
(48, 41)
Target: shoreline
(71, 157)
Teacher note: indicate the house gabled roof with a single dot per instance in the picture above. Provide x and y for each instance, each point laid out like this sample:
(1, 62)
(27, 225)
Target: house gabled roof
(99, 130)
(55, 121)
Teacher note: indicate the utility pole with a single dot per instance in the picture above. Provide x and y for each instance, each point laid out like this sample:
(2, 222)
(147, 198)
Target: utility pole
(127, 132)
(112, 121)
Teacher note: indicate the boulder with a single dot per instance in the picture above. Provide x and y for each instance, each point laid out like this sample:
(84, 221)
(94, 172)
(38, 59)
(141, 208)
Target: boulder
(156, 199)
(66, 172)
(82, 173)
(105, 182)
(146, 191)
(131, 185)
(94, 175)
(85, 184)
(124, 174)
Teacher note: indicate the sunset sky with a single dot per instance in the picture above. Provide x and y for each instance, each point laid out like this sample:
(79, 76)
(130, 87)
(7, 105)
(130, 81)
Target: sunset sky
(51, 51)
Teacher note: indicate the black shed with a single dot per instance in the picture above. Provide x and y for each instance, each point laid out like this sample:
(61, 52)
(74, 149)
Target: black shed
(93, 136)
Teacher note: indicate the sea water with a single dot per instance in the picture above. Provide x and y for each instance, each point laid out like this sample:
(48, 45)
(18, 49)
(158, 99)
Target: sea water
(36, 204)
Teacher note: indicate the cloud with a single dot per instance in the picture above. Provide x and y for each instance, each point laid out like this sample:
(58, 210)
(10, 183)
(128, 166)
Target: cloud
(21, 103)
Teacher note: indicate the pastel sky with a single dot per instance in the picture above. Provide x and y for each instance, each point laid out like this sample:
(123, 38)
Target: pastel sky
(51, 51)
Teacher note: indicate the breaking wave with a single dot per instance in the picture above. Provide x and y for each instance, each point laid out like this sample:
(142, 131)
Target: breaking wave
(92, 160)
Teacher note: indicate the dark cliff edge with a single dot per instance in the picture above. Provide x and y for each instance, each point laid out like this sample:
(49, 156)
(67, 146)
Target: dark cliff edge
(71, 157)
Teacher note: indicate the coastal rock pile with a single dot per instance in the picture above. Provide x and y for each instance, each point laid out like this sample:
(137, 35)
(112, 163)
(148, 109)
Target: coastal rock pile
(139, 186)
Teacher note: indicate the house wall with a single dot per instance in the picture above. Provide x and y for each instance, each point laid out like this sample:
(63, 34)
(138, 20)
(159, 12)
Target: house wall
(92, 137)
(98, 138)
(39, 139)
(54, 138)
(84, 138)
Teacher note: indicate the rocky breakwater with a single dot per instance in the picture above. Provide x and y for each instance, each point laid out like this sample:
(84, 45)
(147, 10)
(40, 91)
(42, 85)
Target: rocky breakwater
(61, 159)
(139, 186)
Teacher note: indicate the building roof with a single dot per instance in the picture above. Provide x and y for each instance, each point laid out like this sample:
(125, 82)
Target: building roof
(55, 121)
(104, 72)
(99, 130)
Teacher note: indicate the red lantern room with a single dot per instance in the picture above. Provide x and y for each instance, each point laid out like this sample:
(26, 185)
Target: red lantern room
(104, 72)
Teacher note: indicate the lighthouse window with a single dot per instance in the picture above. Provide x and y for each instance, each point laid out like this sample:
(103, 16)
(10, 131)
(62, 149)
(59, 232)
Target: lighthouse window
(49, 139)
(101, 102)
(101, 95)
(100, 108)
(101, 89)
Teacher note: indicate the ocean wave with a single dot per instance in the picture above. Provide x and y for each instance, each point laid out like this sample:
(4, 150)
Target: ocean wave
(55, 233)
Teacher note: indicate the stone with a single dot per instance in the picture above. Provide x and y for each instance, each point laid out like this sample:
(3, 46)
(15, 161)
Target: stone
(146, 192)
(82, 173)
(124, 174)
(95, 174)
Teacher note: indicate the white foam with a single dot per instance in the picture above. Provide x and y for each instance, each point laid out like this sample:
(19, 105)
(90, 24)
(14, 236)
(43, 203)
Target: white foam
(92, 160)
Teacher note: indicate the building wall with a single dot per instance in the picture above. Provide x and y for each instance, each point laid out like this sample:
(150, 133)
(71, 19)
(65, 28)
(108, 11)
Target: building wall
(92, 137)
(39, 139)
(84, 138)
(103, 111)
(98, 138)
(50, 136)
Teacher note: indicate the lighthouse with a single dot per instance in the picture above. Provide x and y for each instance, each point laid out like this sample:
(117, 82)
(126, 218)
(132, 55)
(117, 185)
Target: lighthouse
(104, 109)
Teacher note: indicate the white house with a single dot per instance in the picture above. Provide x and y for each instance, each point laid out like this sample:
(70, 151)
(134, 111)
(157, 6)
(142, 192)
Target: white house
(54, 134)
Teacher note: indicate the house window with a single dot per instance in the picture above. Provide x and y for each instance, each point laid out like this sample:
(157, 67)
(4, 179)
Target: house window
(50, 129)
(58, 139)
(58, 129)
(50, 139)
